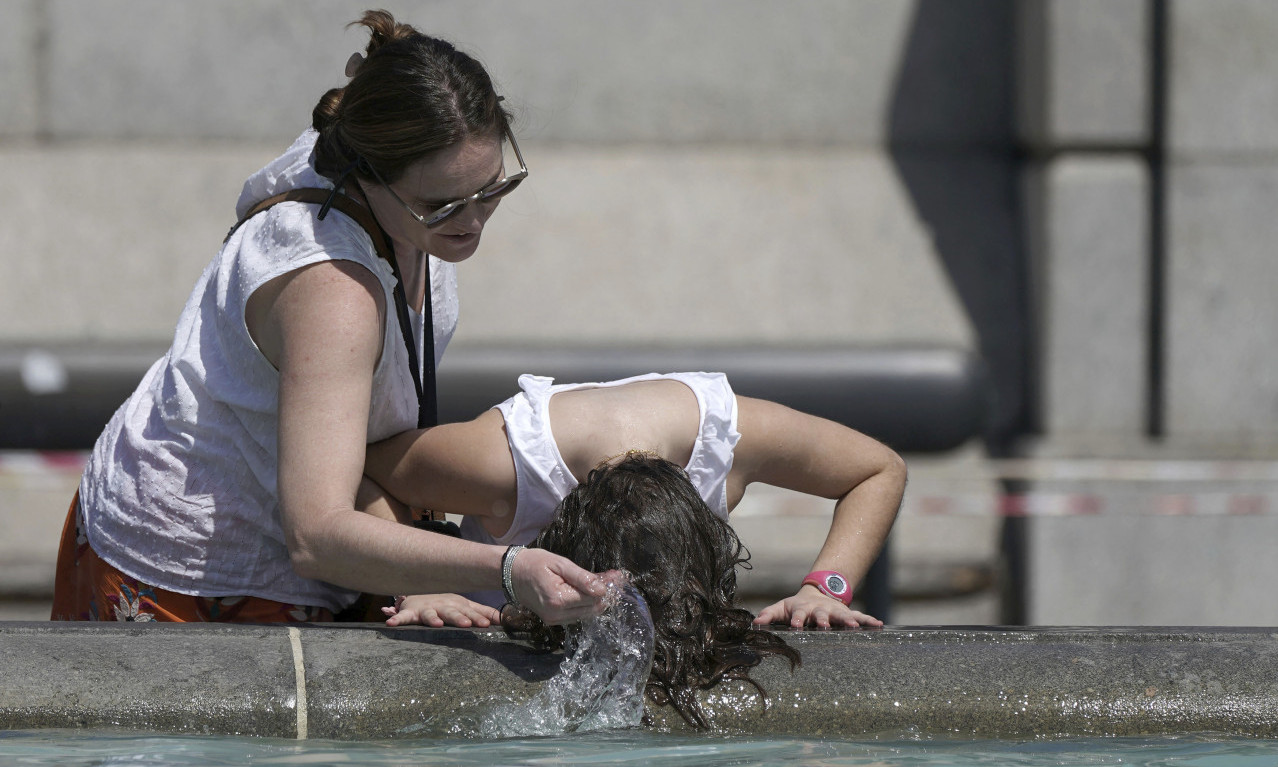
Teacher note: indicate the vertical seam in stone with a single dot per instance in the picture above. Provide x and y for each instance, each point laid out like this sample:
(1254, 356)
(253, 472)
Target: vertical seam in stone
(1156, 154)
(299, 673)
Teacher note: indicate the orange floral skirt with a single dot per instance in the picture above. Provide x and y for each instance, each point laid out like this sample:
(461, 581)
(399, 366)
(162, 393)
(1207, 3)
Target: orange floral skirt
(86, 588)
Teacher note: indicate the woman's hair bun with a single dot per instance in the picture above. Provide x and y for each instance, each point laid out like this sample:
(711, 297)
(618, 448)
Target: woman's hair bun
(325, 112)
(408, 95)
(383, 29)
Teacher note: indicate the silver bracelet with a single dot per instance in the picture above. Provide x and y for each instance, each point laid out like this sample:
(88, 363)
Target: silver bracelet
(507, 568)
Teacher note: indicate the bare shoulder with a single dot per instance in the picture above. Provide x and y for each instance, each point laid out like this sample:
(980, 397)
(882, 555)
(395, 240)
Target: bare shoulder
(591, 424)
(328, 287)
(767, 426)
(324, 302)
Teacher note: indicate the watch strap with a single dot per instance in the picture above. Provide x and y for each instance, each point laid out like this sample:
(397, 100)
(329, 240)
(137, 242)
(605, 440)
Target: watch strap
(831, 583)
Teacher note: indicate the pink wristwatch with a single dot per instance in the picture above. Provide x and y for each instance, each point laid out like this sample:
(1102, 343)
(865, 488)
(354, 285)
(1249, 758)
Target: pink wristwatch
(832, 584)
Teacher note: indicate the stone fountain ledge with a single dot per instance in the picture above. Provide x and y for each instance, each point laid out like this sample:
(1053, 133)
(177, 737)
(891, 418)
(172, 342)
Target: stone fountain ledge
(357, 682)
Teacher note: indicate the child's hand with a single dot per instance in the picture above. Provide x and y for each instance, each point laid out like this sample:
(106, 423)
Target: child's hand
(440, 610)
(812, 608)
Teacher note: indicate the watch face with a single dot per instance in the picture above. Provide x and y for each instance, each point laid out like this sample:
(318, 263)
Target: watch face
(835, 584)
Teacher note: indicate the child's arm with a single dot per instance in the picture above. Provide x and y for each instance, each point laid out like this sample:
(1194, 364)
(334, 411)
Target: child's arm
(783, 447)
(453, 468)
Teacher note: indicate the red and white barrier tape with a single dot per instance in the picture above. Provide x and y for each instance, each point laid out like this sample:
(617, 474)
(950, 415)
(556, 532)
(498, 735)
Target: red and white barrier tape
(1133, 470)
(1065, 504)
(1161, 488)
(42, 462)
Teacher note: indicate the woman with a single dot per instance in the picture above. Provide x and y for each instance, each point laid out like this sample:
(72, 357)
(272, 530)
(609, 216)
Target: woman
(224, 488)
(511, 469)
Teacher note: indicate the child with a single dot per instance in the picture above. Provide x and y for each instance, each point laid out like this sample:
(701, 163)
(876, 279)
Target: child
(641, 514)
(509, 469)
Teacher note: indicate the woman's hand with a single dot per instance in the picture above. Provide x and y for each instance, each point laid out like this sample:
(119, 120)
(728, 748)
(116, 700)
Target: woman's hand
(557, 590)
(810, 607)
(441, 610)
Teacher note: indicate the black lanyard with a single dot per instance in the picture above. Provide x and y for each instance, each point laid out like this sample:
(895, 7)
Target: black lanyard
(423, 376)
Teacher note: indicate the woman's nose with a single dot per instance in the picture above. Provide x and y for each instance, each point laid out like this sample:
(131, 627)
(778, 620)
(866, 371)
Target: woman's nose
(474, 215)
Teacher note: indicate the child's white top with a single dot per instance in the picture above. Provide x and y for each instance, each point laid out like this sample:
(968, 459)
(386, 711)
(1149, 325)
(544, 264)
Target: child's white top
(543, 477)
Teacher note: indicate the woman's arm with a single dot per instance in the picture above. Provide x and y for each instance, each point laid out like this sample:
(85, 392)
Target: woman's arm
(786, 448)
(321, 327)
(426, 609)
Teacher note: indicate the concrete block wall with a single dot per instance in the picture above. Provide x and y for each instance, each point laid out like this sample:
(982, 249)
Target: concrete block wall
(1141, 569)
(694, 179)
(703, 184)
(1222, 144)
(729, 172)
(1091, 214)
(1083, 72)
(18, 72)
(972, 173)
(1083, 118)
(1179, 317)
(1150, 128)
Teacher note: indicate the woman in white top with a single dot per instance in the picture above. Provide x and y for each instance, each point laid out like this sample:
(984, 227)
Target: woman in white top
(224, 488)
(510, 469)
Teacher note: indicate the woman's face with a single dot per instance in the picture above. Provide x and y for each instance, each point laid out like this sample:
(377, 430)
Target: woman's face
(447, 175)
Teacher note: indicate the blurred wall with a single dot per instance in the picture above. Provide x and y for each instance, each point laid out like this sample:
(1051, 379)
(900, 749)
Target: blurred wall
(1078, 191)
(701, 173)
(1150, 184)
(1150, 129)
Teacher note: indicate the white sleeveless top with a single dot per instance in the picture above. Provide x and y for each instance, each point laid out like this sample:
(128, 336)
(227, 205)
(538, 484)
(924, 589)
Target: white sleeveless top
(180, 489)
(544, 479)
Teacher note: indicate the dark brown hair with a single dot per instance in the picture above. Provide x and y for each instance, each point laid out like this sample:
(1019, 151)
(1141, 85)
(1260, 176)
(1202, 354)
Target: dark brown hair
(643, 515)
(411, 96)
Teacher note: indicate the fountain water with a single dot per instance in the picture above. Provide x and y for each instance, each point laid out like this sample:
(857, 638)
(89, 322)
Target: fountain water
(600, 684)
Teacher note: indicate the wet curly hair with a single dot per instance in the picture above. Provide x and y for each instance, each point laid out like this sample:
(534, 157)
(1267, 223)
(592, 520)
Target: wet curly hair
(642, 514)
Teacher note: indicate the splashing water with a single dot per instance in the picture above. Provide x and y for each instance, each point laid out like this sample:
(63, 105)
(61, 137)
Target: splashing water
(601, 680)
